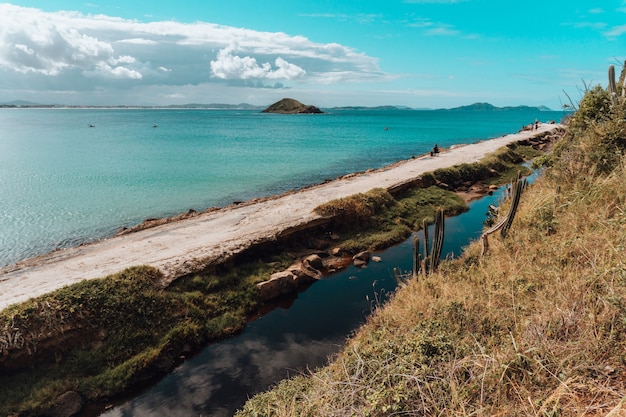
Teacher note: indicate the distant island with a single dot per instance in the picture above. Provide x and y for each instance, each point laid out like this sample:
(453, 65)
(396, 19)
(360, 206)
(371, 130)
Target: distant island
(291, 106)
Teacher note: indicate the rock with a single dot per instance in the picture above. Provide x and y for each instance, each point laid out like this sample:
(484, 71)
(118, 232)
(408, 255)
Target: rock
(291, 106)
(293, 278)
(336, 251)
(361, 259)
(313, 262)
(68, 404)
(304, 276)
(359, 263)
(280, 283)
(365, 255)
(444, 186)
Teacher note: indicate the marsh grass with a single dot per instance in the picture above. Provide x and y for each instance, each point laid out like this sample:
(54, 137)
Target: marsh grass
(535, 328)
(382, 219)
(497, 167)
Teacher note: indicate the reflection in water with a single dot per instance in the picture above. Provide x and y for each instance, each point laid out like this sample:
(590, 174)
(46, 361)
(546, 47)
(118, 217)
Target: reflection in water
(285, 342)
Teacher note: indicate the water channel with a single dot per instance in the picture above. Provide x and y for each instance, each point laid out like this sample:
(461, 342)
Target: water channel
(290, 340)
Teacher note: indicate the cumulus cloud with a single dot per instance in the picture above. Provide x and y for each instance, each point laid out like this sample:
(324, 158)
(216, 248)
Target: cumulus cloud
(73, 51)
(229, 66)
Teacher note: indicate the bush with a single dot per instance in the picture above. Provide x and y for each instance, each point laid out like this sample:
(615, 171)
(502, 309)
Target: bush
(595, 141)
(595, 106)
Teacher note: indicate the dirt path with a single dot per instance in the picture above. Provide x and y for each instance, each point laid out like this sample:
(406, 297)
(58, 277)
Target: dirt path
(185, 246)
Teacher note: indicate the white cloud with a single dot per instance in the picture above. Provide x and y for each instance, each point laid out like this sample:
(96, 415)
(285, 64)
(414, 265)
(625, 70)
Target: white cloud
(70, 51)
(434, 28)
(125, 59)
(111, 72)
(228, 66)
(615, 32)
(34, 42)
(138, 41)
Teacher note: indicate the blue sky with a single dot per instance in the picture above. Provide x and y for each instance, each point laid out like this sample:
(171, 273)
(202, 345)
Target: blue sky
(416, 53)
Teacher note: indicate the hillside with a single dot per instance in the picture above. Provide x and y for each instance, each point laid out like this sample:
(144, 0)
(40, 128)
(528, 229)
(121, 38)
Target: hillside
(535, 326)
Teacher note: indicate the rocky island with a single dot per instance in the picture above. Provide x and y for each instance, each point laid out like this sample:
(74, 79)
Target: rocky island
(291, 106)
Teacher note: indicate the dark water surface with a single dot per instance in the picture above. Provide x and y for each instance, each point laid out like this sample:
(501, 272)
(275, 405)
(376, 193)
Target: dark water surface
(288, 341)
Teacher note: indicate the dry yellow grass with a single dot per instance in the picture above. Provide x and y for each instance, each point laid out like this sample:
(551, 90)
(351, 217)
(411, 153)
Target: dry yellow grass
(536, 327)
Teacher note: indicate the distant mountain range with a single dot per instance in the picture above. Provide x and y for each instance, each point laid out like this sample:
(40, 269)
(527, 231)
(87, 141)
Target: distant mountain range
(491, 107)
(246, 106)
(220, 106)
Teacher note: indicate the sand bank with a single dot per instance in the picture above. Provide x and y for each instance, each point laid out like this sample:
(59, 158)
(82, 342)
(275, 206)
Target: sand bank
(185, 246)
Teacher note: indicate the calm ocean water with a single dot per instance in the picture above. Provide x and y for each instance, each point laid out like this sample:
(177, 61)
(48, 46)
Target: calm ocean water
(63, 183)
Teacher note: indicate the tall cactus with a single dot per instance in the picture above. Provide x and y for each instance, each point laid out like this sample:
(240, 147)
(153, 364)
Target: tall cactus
(417, 262)
(435, 256)
(432, 256)
(612, 85)
(426, 247)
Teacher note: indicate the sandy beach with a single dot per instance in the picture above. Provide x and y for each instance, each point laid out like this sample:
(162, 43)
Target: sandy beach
(185, 246)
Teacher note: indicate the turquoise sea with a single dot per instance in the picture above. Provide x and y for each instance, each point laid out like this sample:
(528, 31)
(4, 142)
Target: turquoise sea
(63, 182)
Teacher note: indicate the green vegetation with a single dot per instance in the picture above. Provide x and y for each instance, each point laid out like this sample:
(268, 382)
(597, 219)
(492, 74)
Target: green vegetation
(536, 326)
(377, 220)
(105, 337)
(102, 337)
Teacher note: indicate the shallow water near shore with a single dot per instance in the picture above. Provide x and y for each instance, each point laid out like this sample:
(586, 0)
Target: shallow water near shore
(289, 340)
(63, 183)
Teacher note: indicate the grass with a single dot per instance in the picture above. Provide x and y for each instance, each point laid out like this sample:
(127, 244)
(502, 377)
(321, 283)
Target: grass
(377, 220)
(535, 327)
(496, 168)
(108, 336)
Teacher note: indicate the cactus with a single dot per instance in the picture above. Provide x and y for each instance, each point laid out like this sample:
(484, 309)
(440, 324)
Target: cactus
(431, 259)
(612, 86)
(417, 262)
(505, 224)
(435, 255)
(426, 247)
(517, 188)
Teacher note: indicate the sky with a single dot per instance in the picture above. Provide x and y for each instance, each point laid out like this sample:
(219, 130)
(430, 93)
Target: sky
(415, 53)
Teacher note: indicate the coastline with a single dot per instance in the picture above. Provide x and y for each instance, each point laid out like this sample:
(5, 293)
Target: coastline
(191, 244)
